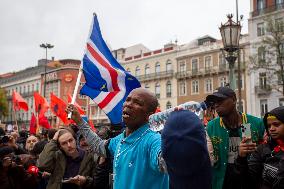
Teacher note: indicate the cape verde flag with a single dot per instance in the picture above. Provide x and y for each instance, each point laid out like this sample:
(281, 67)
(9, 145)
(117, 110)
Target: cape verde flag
(107, 82)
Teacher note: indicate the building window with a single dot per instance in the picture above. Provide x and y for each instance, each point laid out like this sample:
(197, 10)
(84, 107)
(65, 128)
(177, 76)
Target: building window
(182, 88)
(157, 90)
(169, 89)
(82, 96)
(260, 29)
(207, 63)
(137, 71)
(237, 83)
(157, 67)
(28, 88)
(222, 62)
(182, 66)
(208, 85)
(263, 107)
(195, 87)
(37, 86)
(147, 69)
(194, 65)
(223, 82)
(168, 65)
(93, 111)
(169, 105)
(279, 24)
(260, 4)
(20, 89)
(261, 54)
(281, 102)
(262, 80)
(279, 2)
(147, 86)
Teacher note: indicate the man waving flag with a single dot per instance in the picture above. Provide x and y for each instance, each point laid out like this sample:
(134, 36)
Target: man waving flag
(107, 82)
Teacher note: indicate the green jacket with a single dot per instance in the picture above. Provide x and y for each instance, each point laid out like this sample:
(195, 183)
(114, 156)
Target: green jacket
(219, 136)
(53, 161)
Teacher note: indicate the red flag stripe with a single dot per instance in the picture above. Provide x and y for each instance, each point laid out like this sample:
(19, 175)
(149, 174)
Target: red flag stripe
(107, 99)
(100, 60)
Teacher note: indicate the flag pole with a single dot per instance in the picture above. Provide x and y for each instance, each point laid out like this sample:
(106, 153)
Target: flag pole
(15, 117)
(76, 87)
(37, 123)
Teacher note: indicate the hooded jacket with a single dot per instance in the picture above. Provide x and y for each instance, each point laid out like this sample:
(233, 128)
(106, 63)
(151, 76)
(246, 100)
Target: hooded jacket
(184, 150)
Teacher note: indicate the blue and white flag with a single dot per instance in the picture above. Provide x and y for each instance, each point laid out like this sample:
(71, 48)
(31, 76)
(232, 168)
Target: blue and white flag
(107, 82)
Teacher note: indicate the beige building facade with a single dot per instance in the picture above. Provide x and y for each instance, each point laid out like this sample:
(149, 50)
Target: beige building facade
(156, 71)
(201, 68)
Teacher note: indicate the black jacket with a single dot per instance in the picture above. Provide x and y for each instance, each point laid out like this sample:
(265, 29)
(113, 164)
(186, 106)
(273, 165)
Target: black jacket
(263, 169)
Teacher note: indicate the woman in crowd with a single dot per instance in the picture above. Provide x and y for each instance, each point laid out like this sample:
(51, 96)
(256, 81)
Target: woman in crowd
(264, 168)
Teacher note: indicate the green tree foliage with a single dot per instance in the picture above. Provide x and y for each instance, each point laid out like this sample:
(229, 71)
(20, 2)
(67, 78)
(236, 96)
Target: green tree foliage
(269, 53)
(3, 103)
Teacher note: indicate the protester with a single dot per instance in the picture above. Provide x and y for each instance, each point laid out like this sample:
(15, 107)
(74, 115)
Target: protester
(30, 142)
(51, 133)
(184, 149)
(8, 140)
(264, 169)
(225, 134)
(22, 139)
(12, 175)
(15, 135)
(83, 143)
(70, 167)
(137, 151)
(44, 134)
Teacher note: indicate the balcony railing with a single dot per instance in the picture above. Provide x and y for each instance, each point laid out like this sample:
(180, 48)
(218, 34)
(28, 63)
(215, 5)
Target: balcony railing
(263, 89)
(157, 75)
(268, 9)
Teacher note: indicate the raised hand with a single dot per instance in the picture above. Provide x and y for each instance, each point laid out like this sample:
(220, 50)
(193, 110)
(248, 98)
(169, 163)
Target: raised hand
(246, 147)
(75, 113)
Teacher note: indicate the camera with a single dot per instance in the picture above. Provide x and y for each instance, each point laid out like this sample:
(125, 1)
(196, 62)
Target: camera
(4, 139)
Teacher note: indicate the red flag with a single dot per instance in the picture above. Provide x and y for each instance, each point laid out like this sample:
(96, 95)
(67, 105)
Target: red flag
(92, 126)
(19, 102)
(41, 105)
(58, 107)
(33, 125)
(81, 111)
(42, 121)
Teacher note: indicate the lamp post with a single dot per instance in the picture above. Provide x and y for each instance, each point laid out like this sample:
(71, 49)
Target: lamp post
(230, 32)
(45, 46)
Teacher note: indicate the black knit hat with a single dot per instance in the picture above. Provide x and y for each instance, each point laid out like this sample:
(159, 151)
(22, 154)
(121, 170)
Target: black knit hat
(184, 150)
(277, 112)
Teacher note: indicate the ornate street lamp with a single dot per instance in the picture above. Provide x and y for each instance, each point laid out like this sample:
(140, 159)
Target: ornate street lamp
(230, 32)
(45, 46)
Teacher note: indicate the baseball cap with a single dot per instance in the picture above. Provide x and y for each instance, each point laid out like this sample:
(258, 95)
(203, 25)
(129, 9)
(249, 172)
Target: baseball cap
(221, 93)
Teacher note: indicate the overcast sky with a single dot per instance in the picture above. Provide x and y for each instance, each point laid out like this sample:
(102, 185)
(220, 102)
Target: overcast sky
(25, 24)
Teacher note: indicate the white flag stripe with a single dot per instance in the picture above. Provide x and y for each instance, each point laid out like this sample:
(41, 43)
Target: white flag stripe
(100, 97)
(119, 72)
(118, 97)
(103, 71)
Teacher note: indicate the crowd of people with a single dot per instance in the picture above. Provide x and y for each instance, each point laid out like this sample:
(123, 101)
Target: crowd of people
(228, 150)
